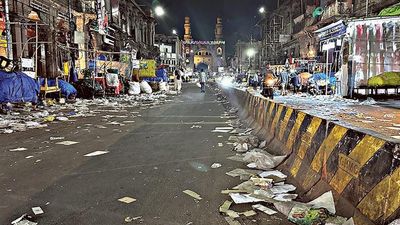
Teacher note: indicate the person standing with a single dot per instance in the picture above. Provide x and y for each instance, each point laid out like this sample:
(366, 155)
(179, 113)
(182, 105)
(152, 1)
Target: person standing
(203, 80)
(255, 81)
(284, 81)
(178, 80)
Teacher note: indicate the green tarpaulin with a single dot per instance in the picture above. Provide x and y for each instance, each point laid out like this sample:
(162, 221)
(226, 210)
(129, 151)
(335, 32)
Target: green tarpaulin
(317, 12)
(391, 11)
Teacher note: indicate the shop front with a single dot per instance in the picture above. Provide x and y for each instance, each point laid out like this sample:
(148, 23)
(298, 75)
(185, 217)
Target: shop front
(373, 50)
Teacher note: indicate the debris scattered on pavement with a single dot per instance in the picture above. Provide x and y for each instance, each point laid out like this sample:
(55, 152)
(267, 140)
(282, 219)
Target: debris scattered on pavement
(231, 221)
(131, 219)
(18, 149)
(96, 153)
(37, 210)
(216, 165)
(225, 207)
(196, 126)
(67, 143)
(56, 138)
(249, 213)
(243, 198)
(264, 209)
(28, 157)
(220, 145)
(23, 220)
(192, 194)
(127, 200)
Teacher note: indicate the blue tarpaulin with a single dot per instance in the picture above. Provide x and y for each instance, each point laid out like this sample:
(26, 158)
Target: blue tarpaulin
(18, 87)
(322, 76)
(161, 76)
(66, 88)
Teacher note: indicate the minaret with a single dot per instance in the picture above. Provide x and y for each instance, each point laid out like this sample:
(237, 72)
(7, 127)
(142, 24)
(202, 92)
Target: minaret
(188, 32)
(218, 30)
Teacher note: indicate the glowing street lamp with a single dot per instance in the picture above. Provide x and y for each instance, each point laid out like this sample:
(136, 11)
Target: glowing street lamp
(261, 10)
(250, 53)
(174, 32)
(159, 11)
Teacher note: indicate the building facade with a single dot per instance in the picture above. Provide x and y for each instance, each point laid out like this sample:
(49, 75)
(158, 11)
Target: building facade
(52, 32)
(204, 55)
(170, 51)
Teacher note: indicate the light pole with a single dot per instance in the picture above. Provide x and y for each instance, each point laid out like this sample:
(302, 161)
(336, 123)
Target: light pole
(174, 32)
(250, 53)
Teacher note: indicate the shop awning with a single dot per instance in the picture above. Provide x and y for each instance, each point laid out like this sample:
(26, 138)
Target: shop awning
(340, 22)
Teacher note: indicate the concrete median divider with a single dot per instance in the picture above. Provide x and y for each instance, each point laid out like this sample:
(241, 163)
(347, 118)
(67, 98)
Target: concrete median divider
(360, 167)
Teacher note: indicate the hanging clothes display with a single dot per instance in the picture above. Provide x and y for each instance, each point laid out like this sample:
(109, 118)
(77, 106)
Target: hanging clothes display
(396, 44)
(389, 45)
(379, 49)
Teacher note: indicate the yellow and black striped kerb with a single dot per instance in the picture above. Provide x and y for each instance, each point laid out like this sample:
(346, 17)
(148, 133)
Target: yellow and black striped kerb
(362, 170)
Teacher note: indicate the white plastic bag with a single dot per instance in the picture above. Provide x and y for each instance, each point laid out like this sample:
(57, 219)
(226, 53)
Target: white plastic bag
(134, 88)
(145, 87)
(198, 85)
(163, 86)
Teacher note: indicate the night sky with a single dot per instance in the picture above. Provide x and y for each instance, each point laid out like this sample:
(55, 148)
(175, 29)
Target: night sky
(239, 18)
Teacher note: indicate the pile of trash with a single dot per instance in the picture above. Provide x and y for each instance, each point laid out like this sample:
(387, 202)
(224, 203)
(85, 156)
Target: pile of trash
(21, 117)
(265, 189)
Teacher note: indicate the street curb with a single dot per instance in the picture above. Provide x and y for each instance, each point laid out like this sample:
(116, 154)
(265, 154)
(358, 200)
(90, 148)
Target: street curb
(361, 169)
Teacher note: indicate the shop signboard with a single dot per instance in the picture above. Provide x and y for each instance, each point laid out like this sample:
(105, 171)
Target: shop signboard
(332, 31)
(147, 68)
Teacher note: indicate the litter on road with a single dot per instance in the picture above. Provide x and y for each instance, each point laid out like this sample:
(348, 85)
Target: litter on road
(243, 198)
(249, 213)
(231, 221)
(96, 153)
(37, 210)
(216, 165)
(225, 207)
(67, 143)
(264, 209)
(56, 138)
(192, 194)
(18, 149)
(127, 200)
(23, 220)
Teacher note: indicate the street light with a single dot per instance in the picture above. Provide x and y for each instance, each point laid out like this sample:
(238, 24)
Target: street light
(261, 10)
(250, 53)
(174, 32)
(159, 11)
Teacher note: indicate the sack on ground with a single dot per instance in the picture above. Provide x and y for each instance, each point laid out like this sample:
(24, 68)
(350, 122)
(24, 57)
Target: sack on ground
(163, 86)
(134, 88)
(145, 87)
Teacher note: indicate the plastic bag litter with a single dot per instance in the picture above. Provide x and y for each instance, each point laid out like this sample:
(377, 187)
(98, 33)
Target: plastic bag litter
(145, 87)
(134, 88)
(242, 148)
(263, 161)
(163, 86)
(198, 85)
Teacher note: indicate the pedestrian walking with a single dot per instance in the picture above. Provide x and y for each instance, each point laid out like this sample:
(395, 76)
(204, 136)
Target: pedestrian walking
(255, 81)
(284, 81)
(178, 80)
(296, 82)
(203, 80)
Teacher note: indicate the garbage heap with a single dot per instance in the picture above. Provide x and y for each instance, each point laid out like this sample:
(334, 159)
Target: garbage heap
(265, 190)
(22, 117)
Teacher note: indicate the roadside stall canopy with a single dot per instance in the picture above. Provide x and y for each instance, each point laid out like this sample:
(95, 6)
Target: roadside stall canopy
(17, 87)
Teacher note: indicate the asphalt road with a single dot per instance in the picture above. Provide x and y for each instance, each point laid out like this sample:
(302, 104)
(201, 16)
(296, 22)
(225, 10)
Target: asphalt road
(152, 160)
